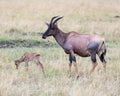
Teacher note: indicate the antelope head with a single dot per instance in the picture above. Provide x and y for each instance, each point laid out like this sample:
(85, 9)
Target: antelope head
(52, 27)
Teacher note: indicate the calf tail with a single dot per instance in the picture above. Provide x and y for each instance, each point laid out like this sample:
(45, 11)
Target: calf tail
(38, 55)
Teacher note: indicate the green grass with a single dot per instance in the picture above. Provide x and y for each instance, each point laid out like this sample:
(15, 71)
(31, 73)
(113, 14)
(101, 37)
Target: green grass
(25, 21)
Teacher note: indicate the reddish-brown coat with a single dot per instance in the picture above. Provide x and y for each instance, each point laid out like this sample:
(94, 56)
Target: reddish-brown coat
(29, 56)
(75, 43)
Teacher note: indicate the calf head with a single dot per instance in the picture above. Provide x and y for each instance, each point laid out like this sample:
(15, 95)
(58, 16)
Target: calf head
(17, 62)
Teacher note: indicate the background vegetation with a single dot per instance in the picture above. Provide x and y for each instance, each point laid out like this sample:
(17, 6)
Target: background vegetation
(22, 23)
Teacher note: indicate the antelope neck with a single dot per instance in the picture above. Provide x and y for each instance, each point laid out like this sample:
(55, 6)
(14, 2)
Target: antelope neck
(60, 37)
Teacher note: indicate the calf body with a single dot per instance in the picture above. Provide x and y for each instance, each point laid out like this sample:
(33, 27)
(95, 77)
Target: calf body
(29, 56)
(84, 45)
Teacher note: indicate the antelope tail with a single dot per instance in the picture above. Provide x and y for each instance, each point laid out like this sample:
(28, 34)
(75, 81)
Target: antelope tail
(102, 48)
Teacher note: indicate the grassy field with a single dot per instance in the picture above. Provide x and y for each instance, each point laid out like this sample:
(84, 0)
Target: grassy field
(21, 26)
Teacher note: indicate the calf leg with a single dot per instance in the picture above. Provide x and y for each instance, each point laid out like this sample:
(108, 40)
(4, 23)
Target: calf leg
(26, 66)
(39, 64)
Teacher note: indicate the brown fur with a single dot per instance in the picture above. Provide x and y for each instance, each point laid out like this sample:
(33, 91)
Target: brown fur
(83, 45)
(29, 56)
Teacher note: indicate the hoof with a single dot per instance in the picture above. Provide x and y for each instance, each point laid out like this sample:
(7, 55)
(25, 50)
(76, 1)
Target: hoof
(77, 77)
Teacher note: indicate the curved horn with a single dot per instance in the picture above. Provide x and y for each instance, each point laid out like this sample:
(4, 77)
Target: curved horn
(57, 19)
(53, 19)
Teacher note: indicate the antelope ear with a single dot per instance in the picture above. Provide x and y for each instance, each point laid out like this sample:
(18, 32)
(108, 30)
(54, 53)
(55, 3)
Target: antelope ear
(54, 26)
(47, 24)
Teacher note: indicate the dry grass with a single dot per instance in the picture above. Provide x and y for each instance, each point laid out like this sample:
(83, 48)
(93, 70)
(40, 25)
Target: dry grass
(56, 83)
(84, 16)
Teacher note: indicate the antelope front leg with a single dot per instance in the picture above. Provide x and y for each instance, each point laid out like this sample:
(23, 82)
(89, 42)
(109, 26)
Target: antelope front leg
(69, 71)
(76, 70)
(73, 60)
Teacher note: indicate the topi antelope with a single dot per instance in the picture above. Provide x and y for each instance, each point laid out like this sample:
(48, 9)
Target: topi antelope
(84, 45)
(26, 57)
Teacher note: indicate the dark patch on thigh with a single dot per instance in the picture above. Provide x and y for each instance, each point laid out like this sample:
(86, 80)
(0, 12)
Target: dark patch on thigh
(93, 47)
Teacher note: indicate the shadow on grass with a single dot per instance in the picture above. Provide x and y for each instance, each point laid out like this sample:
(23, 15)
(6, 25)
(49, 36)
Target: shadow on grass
(25, 43)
